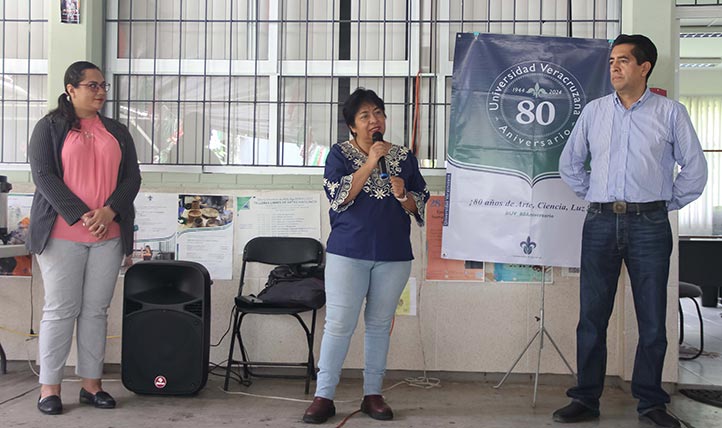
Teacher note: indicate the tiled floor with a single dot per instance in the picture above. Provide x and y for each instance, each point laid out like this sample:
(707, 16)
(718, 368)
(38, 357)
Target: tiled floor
(707, 369)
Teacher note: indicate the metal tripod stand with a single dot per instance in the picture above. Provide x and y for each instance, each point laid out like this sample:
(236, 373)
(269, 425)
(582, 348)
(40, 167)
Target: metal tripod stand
(540, 333)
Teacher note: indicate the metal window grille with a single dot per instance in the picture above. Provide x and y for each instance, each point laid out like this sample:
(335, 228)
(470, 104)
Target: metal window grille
(23, 96)
(222, 83)
(699, 2)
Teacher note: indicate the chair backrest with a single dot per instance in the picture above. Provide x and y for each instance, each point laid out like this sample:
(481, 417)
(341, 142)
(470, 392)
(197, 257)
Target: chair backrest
(281, 250)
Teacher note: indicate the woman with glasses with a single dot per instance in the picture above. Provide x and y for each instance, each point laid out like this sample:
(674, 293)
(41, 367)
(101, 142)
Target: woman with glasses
(368, 253)
(86, 174)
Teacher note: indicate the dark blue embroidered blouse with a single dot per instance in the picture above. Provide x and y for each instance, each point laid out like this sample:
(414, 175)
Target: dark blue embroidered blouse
(374, 226)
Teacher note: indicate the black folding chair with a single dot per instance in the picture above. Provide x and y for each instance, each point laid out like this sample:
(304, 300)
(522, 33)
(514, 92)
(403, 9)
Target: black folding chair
(306, 252)
(690, 291)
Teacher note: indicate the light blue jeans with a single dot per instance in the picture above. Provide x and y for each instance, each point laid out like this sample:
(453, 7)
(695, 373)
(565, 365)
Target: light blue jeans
(348, 282)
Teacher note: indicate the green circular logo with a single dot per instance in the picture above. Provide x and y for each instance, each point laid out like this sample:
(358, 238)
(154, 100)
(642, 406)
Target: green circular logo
(535, 104)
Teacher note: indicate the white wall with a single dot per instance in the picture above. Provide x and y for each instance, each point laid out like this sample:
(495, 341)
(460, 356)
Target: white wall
(466, 327)
(700, 82)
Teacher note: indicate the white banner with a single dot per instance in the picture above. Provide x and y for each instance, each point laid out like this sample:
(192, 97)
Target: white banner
(510, 223)
(515, 101)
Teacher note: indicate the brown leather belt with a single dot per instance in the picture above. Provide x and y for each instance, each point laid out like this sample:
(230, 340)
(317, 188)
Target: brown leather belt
(622, 207)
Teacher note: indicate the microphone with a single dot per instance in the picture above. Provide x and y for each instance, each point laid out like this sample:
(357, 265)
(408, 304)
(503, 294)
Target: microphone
(383, 169)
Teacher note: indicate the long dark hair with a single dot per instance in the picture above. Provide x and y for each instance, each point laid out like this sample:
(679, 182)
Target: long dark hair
(73, 75)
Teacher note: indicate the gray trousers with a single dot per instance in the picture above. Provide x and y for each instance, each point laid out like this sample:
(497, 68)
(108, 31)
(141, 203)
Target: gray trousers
(79, 280)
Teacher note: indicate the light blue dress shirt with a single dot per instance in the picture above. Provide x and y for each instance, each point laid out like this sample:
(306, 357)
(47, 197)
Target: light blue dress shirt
(633, 153)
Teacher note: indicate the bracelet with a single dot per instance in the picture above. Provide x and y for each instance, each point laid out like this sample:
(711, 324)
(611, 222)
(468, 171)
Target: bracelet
(404, 199)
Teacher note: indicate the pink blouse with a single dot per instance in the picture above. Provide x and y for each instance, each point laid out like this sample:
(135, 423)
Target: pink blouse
(91, 159)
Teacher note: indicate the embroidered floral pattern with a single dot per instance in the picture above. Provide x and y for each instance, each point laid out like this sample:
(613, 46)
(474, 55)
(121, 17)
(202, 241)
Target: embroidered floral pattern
(419, 198)
(337, 198)
(375, 186)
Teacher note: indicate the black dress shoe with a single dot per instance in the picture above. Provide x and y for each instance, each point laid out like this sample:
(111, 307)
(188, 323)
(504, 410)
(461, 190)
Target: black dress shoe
(575, 412)
(50, 405)
(376, 407)
(659, 418)
(101, 399)
(319, 411)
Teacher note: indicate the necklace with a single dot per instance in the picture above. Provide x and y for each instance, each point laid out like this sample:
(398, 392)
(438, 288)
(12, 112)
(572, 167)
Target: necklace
(357, 146)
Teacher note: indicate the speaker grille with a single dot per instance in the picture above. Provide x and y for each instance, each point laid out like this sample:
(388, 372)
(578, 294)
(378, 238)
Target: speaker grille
(132, 306)
(163, 343)
(196, 308)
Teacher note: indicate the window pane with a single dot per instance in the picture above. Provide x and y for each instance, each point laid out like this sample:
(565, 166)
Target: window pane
(23, 96)
(218, 40)
(194, 40)
(249, 143)
(704, 215)
(245, 88)
(216, 92)
(216, 136)
(138, 118)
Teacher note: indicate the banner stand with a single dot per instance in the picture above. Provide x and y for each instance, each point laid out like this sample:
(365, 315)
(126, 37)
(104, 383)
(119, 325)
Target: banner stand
(540, 334)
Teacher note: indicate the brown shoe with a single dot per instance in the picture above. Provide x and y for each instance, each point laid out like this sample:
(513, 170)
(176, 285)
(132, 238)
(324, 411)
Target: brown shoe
(376, 407)
(319, 411)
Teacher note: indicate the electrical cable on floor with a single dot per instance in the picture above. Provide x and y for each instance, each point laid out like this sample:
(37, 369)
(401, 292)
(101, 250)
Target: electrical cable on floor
(344, 420)
(32, 310)
(272, 397)
(30, 336)
(422, 381)
(18, 333)
(231, 375)
(230, 321)
(27, 353)
(22, 394)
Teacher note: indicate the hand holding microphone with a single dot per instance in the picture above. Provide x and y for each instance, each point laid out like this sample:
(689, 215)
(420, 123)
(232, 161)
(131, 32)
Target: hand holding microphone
(383, 169)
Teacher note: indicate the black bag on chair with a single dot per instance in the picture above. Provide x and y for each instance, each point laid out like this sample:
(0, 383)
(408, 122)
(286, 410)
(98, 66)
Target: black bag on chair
(294, 285)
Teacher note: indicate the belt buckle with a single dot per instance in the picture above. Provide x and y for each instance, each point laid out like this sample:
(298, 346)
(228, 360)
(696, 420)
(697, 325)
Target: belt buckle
(619, 207)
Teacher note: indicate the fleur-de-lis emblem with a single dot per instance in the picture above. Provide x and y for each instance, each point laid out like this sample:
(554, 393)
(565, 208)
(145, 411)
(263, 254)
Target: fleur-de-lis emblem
(528, 245)
(537, 90)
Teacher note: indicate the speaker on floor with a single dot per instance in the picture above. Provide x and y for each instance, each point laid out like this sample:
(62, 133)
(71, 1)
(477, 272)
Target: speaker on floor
(166, 327)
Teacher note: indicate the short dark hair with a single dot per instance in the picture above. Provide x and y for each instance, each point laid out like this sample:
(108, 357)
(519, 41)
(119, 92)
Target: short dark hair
(644, 50)
(353, 103)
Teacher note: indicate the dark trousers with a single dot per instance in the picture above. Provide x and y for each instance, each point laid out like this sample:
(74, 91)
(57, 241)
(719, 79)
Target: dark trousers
(644, 242)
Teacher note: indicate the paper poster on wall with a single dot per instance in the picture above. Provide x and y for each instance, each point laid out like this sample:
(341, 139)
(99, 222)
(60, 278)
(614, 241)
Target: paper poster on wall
(407, 302)
(205, 232)
(507, 272)
(156, 225)
(438, 269)
(70, 11)
(572, 272)
(279, 214)
(18, 222)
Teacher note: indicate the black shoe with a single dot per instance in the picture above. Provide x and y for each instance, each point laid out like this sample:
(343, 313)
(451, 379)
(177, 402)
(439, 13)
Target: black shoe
(101, 399)
(50, 405)
(575, 412)
(659, 418)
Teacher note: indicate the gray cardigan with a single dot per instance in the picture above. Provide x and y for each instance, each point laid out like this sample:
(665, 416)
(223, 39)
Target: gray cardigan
(53, 197)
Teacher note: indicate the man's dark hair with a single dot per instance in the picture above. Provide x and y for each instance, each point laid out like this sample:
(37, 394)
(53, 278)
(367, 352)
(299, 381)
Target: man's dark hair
(354, 102)
(644, 49)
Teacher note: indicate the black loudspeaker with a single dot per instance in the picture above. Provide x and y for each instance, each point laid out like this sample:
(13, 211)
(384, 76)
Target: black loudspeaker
(166, 327)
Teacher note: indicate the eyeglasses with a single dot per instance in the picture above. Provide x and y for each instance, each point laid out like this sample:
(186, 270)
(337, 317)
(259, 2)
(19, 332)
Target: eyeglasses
(94, 86)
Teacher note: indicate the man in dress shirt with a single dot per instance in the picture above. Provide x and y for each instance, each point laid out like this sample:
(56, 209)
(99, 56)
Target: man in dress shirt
(633, 138)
